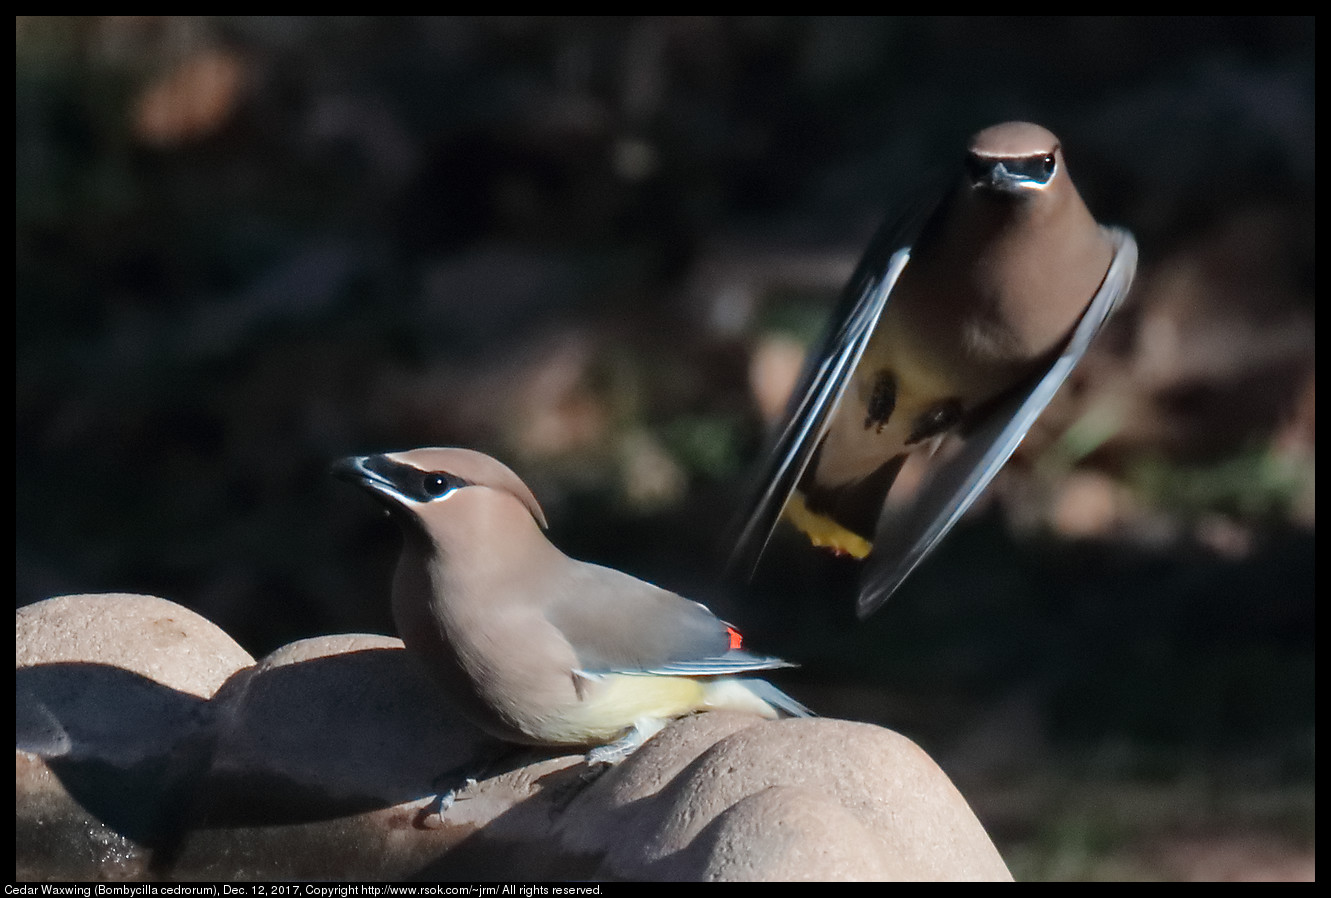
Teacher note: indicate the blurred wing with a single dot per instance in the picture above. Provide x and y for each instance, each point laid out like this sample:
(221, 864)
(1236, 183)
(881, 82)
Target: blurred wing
(820, 390)
(902, 541)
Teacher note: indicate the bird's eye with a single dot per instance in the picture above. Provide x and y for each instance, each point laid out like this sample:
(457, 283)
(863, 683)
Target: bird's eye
(1049, 163)
(435, 485)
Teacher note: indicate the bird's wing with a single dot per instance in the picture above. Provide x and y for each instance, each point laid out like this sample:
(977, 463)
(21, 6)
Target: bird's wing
(903, 540)
(828, 372)
(618, 623)
(824, 381)
(732, 662)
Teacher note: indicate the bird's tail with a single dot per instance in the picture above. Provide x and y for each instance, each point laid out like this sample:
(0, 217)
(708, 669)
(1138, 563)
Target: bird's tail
(776, 698)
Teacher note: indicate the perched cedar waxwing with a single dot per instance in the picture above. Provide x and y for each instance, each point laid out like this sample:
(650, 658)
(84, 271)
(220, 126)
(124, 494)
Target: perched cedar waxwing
(943, 354)
(535, 647)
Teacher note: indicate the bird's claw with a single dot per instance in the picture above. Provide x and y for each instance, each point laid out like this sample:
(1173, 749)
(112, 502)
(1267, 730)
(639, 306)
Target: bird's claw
(605, 756)
(432, 815)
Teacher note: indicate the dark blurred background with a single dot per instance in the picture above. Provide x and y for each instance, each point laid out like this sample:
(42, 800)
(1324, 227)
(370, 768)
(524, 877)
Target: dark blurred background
(597, 249)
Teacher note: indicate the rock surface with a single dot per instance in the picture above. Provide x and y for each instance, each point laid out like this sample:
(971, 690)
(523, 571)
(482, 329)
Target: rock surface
(149, 745)
(112, 729)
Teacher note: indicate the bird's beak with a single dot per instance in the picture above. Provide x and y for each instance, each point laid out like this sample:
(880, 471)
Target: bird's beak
(361, 470)
(999, 178)
(352, 469)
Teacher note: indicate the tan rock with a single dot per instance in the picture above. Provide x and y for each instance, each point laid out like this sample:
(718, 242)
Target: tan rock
(155, 638)
(111, 729)
(864, 802)
(322, 761)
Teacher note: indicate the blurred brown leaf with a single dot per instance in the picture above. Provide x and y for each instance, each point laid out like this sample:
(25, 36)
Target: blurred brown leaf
(191, 101)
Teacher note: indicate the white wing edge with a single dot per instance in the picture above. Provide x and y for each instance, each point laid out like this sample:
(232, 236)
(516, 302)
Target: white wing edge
(812, 416)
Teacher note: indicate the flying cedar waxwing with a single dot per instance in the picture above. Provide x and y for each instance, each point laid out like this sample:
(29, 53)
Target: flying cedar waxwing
(943, 355)
(535, 647)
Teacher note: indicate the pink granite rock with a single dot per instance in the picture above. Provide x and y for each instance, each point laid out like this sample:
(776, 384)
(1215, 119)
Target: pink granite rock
(151, 746)
(111, 729)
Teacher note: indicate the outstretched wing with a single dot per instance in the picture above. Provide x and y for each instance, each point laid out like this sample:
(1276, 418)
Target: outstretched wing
(819, 392)
(829, 370)
(903, 539)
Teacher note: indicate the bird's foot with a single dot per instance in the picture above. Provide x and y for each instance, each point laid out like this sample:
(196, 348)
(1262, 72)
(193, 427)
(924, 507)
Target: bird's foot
(600, 759)
(603, 757)
(432, 815)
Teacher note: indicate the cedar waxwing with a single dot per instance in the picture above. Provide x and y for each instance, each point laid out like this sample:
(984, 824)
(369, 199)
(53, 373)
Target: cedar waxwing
(535, 647)
(943, 355)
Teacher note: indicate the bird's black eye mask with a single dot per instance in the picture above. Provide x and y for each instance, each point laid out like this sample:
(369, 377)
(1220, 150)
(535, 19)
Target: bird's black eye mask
(1036, 169)
(413, 483)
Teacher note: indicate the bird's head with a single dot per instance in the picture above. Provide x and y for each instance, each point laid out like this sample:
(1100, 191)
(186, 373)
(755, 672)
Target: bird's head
(1014, 159)
(425, 484)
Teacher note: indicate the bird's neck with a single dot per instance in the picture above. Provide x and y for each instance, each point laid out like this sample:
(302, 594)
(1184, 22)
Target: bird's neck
(464, 569)
(480, 553)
